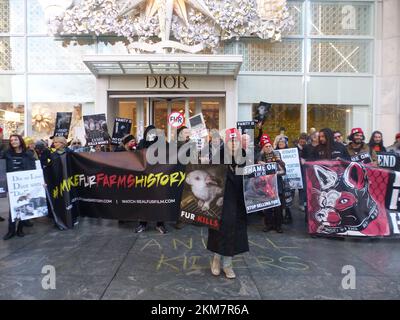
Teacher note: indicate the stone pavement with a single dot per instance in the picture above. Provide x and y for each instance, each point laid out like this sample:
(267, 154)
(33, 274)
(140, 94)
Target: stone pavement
(102, 260)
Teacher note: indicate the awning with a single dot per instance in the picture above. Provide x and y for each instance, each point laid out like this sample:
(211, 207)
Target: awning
(164, 64)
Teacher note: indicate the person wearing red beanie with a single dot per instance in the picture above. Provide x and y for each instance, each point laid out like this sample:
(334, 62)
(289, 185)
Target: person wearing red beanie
(358, 150)
(273, 217)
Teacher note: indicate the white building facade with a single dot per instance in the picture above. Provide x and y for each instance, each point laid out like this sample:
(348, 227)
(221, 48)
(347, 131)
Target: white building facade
(338, 67)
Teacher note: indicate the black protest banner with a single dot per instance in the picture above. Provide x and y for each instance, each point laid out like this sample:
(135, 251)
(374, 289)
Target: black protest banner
(246, 127)
(3, 179)
(119, 186)
(96, 129)
(363, 157)
(260, 187)
(351, 199)
(203, 194)
(388, 160)
(63, 123)
(122, 127)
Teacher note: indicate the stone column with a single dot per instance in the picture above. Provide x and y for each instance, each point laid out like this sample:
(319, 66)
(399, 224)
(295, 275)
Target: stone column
(387, 69)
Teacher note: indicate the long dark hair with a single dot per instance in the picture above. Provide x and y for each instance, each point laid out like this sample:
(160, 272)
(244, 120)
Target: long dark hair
(328, 133)
(371, 142)
(21, 141)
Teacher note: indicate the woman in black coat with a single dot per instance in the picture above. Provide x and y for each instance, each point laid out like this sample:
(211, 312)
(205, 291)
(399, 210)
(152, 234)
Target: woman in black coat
(17, 159)
(231, 238)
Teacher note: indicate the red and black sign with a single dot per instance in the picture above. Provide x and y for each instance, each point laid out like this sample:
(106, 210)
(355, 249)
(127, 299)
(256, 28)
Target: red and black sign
(351, 199)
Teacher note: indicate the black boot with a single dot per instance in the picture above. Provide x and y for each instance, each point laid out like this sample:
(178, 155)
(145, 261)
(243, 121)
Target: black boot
(20, 232)
(9, 235)
(28, 223)
(1, 219)
(288, 216)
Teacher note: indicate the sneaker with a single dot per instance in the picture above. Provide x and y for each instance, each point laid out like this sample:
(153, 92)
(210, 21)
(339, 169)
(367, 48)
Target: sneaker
(279, 230)
(161, 229)
(229, 273)
(140, 228)
(216, 266)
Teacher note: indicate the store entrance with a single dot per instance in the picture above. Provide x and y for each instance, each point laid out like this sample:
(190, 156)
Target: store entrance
(154, 110)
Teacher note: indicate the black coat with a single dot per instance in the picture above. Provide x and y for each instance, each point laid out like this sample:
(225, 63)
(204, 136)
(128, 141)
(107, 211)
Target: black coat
(231, 238)
(28, 161)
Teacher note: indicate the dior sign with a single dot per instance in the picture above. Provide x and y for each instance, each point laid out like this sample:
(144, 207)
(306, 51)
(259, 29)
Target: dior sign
(166, 82)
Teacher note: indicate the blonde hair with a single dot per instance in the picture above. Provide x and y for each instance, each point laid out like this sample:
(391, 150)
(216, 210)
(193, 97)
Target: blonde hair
(28, 141)
(61, 140)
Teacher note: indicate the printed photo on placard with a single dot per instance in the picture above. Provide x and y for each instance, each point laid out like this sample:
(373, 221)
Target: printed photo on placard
(122, 127)
(27, 195)
(63, 123)
(96, 129)
(203, 194)
(260, 187)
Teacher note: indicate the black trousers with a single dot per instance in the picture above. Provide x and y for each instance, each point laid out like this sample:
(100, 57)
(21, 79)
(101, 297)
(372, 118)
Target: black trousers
(13, 225)
(159, 223)
(273, 217)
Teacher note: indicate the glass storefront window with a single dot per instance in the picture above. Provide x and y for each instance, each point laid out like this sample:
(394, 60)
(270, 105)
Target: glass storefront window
(36, 18)
(128, 110)
(48, 54)
(261, 55)
(336, 117)
(12, 16)
(44, 118)
(12, 97)
(12, 54)
(352, 56)
(12, 118)
(210, 109)
(343, 18)
(281, 115)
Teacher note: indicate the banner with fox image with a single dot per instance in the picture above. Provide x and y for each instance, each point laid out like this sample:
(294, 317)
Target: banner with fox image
(352, 199)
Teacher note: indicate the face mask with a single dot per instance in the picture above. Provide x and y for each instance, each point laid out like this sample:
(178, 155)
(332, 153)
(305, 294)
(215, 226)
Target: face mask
(151, 137)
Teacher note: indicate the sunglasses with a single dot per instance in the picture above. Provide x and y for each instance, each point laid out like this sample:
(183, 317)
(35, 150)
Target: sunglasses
(76, 144)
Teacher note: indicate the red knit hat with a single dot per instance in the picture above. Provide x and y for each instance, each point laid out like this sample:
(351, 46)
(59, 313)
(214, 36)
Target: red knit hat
(232, 133)
(1, 130)
(264, 140)
(356, 130)
(397, 136)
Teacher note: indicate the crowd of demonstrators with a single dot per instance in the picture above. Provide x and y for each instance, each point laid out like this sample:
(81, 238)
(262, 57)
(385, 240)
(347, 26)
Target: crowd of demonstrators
(324, 144)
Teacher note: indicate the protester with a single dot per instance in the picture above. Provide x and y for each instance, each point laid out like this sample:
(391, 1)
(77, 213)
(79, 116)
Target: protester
(308, 149)
(328, 149)
(376, 142)
(17, 159)
(287, 219)
(358, 150)
(280, 136)
(310, 133)
(273, 216)
(213, 151)
(30, 146)
(395, 147)
(301, 145)
(231, 238)
(338, 137)
(43, 152)
(149, 137)
(2, 153)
